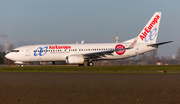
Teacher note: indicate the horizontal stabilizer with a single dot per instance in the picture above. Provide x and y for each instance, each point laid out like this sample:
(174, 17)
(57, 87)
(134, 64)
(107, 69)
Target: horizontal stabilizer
(157, 44)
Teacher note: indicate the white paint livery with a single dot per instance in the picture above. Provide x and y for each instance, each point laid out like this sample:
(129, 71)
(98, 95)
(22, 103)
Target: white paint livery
(79, 53)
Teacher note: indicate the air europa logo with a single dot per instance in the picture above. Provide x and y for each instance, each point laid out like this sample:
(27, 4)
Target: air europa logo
(152, 35)
(120, 52)
(40, 51)
(148, 29)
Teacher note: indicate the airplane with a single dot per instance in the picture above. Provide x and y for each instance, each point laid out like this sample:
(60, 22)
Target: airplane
(80, 53)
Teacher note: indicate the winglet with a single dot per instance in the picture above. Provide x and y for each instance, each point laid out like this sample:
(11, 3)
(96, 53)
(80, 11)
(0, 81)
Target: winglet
(133, 43)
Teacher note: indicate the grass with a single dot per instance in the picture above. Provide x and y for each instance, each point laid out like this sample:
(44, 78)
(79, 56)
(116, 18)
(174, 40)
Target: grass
(94, 69)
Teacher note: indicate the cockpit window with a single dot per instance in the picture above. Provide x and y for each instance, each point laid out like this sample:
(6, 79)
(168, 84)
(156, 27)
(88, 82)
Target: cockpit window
(15, 51)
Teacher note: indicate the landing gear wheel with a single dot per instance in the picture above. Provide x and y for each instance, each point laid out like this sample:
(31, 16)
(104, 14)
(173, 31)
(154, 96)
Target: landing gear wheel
(21, 65)
(81, 64)
(53, 63)
(90, 64)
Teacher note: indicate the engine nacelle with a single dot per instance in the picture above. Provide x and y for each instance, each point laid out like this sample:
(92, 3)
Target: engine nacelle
(18, 62)
(75, 59)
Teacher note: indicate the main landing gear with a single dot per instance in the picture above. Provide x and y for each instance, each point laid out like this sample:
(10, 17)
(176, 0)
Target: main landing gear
(81, 64)
(90, 63)
(53, 63)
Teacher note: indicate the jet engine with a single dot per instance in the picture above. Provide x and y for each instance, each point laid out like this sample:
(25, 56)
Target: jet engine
(75, 59)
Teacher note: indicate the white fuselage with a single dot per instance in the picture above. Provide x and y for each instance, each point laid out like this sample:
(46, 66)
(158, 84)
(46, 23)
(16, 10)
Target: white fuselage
(59, 52)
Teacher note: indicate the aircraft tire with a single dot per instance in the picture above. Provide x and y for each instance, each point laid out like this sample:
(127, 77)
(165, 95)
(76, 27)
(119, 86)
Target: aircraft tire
(81, 64)
(90, 64)
(53, 62)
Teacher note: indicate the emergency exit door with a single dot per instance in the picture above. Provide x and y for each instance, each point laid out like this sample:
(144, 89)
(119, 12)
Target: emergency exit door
(27, 52)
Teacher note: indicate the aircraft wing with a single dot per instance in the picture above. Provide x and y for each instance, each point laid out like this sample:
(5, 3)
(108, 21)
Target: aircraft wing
(109, 52)
(102, 53)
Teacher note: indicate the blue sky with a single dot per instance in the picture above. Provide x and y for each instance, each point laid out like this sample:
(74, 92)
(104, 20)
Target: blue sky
(69, 21)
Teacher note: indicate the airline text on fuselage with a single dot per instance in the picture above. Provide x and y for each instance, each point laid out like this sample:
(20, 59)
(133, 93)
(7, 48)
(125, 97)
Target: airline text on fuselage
(59, 47)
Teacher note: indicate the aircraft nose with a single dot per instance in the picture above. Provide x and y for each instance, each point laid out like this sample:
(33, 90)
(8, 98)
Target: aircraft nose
(8, 56)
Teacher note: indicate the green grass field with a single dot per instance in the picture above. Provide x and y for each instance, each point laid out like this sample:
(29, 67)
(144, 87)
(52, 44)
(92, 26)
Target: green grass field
(94, 69)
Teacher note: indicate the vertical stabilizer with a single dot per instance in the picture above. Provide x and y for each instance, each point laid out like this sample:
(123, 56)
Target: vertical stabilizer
(150, 31)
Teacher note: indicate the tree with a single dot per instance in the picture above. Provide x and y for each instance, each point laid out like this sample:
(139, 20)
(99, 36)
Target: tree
(2, 56)
(153, 56)
(178, 54)
(143, 59)
(10, 47)
(1, 48)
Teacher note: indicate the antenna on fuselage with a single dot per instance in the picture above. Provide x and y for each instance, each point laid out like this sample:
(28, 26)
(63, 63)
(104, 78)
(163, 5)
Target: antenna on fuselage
(82, 42)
